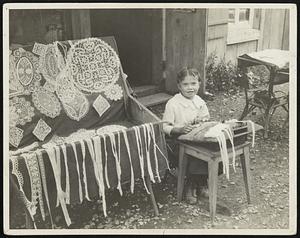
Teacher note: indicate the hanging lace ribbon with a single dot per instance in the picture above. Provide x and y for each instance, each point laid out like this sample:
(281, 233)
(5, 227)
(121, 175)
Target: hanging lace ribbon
(60, 194)
(251, 127)
(98, 171)
(217, 132)
(147, 147)
(27, 69)
(78, 172)
(130, 160)
(117, 161)
(98, 156)
(94, 65)
(82, 145)
(64, 150)
(46, 102)
(152, 134)
(35, 182)
(105, 168)
(28, 204)
(44, 182)
(41, 130)
(140, 154)
(20, 111)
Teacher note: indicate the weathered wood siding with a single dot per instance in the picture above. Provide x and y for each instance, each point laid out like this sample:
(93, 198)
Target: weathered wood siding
(276, 29)
(185, 43)
(234, 50)
(217, 31)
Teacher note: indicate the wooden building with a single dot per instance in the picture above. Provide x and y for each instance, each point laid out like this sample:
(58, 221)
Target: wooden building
(155, 43)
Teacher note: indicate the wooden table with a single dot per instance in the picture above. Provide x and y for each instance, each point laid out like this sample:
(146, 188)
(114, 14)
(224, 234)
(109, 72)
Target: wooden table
(212, 158)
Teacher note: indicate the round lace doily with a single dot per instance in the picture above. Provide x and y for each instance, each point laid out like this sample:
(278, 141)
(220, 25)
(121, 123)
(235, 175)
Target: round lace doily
(109, 129)
(46, 102)
(27, 69)
(114, 92)
(20, 111)
(15, 87)
(94, 65)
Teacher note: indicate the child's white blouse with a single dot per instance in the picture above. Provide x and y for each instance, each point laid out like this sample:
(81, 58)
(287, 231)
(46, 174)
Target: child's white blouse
(180, 111)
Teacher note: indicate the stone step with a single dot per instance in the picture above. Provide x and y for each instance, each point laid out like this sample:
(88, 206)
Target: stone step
(154, 99)
(145, 90)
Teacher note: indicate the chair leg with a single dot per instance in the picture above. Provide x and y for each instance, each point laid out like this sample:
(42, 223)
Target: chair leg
(245, 112)
(213, 168)
(149, 186)
(267, 122)
(245, 157)
(182, 164)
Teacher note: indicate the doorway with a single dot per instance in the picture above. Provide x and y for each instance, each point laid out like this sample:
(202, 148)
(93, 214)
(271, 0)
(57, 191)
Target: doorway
(137, 33)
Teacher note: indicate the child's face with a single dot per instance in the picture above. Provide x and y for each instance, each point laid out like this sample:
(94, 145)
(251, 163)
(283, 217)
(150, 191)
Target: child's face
(189, 86)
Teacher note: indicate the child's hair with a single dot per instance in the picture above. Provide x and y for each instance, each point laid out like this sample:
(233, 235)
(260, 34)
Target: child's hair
(186, 71)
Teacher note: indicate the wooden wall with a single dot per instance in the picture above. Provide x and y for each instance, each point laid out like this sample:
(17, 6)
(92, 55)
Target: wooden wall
(276, 29)
(186, 39)
(217, 31)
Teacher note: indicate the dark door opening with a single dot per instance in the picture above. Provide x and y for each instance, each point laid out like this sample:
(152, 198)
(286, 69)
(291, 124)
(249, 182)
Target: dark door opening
(132, 29)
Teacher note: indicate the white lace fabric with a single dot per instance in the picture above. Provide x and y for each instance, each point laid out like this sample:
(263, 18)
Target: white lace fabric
(20, 111)
(114, 92)
(101, 105)
(94, 65)
(46, 102)
(15, 136)
(41, 130)
(27, 69)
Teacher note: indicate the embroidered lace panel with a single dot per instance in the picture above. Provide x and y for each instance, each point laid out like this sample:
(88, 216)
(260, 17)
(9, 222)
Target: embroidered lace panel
(49, 60)
(114, 92)
(35, 182)
(20, 111)
(101, 105)
(46, 102)
(15, 136)
(94, 65)
(74, 102)
(41, 130)
(27, 69)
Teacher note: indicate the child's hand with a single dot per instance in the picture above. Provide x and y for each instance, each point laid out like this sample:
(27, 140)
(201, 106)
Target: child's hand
(186, 129)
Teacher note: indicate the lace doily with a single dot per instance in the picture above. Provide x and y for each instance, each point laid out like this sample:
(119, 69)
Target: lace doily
(49, 61)
(94, 65)
(41, 130)
(27, 69)
(114, 92)
(74, 102)
(109, 129)
(49, 87)
(15, 87)
(20, 111)
(101, 105)
(46, 102)
(15, 136)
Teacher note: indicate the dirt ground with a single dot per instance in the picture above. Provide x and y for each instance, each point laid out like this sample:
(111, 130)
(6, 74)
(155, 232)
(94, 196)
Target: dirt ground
(270, 185)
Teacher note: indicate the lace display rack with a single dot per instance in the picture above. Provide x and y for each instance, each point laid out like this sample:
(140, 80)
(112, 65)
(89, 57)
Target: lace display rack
(144, 157)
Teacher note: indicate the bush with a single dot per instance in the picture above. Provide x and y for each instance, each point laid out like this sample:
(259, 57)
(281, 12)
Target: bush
(221, 75)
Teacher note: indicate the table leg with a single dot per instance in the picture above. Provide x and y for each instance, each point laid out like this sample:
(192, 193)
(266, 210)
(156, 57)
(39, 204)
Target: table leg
(182, 164)
(266, 122)
(246, 171)
(149, 186)
(213, 167)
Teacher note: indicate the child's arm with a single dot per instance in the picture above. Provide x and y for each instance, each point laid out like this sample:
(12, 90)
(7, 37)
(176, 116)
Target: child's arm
(169, 118)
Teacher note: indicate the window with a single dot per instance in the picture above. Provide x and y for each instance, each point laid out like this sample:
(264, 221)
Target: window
(240, 25)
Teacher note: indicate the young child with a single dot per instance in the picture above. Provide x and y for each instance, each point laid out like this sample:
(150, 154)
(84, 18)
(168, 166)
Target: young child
(182, 111)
